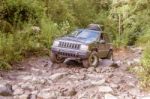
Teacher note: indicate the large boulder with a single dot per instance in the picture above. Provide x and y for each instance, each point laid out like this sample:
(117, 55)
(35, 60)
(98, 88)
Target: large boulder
(6, 90)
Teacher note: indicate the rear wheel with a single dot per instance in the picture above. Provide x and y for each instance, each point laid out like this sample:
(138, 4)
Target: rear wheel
(110, 55)
(56, 58)
(92, 61)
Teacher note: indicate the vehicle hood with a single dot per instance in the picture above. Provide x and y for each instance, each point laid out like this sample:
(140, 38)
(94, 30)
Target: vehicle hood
(75, 39)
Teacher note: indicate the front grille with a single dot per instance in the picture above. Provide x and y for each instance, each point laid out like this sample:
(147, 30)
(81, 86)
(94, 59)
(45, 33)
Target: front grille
(69, 45)
(67, 54)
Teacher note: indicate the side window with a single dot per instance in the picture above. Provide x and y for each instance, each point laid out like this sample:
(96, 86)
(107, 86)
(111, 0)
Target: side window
(102, 36)
(106, 38)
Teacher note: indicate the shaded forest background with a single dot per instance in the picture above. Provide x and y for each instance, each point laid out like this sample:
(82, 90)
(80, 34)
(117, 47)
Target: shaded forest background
(126, 21)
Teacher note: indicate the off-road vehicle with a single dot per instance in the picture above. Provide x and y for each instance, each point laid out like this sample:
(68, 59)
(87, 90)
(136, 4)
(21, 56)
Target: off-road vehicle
(87, 45)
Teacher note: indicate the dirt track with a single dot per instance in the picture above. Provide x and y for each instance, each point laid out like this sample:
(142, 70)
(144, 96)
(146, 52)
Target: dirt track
(37, 78)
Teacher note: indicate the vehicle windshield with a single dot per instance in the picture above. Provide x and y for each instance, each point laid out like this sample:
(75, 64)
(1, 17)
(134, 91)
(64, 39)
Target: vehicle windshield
(89, 35)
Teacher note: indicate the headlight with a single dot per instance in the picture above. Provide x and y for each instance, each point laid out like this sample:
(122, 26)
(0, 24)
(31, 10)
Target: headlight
(56, 43)
(84, 47)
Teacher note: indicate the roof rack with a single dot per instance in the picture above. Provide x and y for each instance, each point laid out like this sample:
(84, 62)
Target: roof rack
(95, 27)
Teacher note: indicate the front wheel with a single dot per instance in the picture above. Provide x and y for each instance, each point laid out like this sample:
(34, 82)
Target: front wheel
(56, 58)
(92, 61)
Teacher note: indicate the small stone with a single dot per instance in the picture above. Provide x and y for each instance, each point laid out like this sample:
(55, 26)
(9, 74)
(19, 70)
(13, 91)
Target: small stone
(70, 92)
(24, 96)
(32, 96)
(129, 63)
(97, 83)
(6, 90)
(137, 60)
(125, 96)
(83, 70)
(119, 62)
(114, 85)
(93, 76)
(115, 65)
(21, 68)
(105, 89)
(46, 96)
(98, 70)
(109, 96)
(91, 69)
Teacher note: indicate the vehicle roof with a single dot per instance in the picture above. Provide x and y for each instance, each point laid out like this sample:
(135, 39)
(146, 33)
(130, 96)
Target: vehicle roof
(95, 27)
(89, 30)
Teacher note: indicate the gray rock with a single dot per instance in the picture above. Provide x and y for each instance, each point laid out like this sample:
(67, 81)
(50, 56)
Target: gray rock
(109, 96)
(147, 97)
(69, 92)
(105, 89)
(57, 76)
(106, 62)
(46, 95)
(18, 91)
(6, 90)
(26, 78)
(113, 85)
(134, 91)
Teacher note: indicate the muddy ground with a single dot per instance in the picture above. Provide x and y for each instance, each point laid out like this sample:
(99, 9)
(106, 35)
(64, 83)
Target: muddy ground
(38, 78)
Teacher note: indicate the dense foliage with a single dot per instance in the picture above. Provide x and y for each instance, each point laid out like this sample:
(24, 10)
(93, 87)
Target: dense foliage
(127, 22)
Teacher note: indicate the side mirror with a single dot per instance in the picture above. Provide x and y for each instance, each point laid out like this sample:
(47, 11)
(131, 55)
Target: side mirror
(102, 42)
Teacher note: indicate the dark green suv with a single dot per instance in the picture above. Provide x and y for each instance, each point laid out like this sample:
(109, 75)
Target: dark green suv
(87, 45)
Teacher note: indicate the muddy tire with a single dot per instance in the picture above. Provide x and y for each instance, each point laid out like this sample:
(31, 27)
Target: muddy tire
(92, 61)
(56, 58)
(110, 55)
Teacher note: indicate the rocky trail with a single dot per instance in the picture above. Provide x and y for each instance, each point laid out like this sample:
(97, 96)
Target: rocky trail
(38, 78)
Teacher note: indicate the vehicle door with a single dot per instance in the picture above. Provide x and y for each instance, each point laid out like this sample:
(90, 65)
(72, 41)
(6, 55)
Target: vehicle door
(103, 46)
(108, 44)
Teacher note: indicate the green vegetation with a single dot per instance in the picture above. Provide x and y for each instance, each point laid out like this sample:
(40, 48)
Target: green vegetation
(144, 73)
(127, 22)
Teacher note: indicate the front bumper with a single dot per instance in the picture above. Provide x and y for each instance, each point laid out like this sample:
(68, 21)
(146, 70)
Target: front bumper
(70, 53)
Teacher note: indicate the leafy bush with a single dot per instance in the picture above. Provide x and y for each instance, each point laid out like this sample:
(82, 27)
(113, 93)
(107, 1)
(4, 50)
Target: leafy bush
(58, 11)
(16, 12)
(49, 31)
(144, 74)
(143, 39)
(12, 47)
